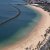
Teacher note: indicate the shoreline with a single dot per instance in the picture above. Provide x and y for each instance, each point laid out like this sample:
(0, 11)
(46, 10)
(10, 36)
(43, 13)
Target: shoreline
(38, 31)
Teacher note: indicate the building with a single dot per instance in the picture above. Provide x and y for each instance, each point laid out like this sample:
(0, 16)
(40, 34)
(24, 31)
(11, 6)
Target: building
(48, 1)
(37, 1)
(40, 1)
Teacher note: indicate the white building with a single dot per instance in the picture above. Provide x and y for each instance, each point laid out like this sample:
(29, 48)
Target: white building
(48, 1)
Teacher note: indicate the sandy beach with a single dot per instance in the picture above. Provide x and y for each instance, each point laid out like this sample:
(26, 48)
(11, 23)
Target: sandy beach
(35, 36)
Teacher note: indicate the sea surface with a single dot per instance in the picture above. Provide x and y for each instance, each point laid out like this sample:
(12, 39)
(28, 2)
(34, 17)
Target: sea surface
(19, 27)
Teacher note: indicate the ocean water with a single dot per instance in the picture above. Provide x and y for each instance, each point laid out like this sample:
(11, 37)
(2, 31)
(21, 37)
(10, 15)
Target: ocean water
(14, 30)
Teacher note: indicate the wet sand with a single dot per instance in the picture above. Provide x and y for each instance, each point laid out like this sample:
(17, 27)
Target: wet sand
(35, 36)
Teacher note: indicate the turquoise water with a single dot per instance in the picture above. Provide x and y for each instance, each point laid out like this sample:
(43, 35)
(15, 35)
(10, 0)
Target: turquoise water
(16, 29)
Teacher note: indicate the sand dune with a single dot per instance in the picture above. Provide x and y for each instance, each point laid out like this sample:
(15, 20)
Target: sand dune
(35, 36)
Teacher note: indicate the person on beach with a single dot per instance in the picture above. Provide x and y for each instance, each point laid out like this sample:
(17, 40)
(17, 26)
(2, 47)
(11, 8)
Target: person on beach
(48, 30)
(26, 48)
(38, 45)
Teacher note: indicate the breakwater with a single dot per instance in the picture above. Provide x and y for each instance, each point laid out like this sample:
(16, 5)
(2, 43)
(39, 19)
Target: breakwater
(11, 18)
